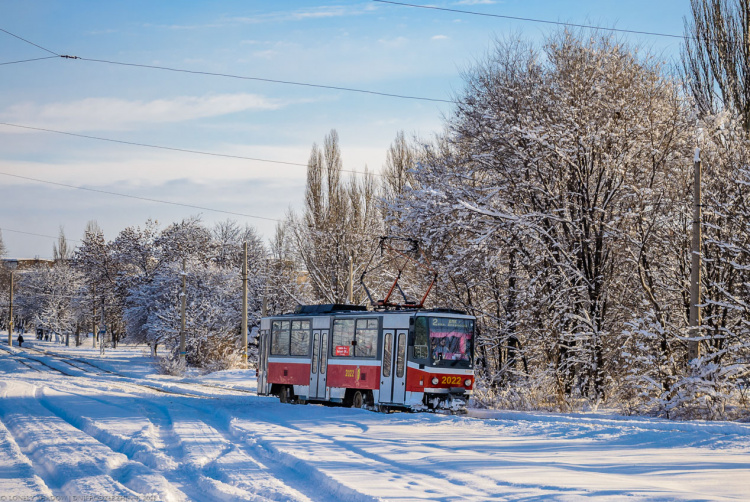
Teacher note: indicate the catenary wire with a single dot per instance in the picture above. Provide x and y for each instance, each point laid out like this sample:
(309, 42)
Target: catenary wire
(147, 145)
(28, 42)
(174, 149)
(261, 79)
(530, 19)
(28, 60)
(106, 192)
(35, 235)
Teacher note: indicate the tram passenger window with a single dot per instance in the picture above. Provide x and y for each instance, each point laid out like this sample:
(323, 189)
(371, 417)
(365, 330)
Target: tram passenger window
(316, 348)
(343, 334)
(280, 338)
(387, 354)
(300, 340)
(421, 348)
(324, 354)
(400, 355)
(367, 338)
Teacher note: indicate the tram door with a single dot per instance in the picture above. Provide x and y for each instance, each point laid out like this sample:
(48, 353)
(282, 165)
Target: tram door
(393, 370)
(319, 365)
(263, 363)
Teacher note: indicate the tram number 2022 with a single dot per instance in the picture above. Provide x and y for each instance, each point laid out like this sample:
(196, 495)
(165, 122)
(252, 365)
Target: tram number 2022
(451, 380)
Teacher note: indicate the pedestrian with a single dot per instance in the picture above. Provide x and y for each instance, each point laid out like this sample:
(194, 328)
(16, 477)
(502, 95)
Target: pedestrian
(20, 340)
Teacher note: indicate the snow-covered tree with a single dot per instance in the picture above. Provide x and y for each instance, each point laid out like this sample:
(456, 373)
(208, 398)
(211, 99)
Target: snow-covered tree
(51, 298)
(531, 203)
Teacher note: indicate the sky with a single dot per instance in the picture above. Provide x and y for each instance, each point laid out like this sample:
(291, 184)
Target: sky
(362, 45)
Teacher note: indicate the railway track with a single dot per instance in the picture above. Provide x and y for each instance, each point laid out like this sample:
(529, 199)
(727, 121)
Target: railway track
(95, 370)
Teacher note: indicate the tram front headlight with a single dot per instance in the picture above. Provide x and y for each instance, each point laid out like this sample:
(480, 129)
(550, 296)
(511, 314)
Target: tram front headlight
(435, 380)
(467, 382)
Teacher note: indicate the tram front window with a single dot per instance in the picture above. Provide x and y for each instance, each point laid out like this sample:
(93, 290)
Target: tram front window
(451, 341)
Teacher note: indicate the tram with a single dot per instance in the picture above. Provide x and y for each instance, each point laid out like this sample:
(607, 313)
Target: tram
(415, 359)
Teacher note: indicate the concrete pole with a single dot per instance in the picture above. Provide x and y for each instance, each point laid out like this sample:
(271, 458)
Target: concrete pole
(351, 280)
(93, 318)
(10, 313)
(244, 305)
(264, 305)
(694, 348)
(183, 301)
(102, 327)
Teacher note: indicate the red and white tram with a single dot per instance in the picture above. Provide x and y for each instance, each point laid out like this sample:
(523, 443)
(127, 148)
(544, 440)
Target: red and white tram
(415, 359)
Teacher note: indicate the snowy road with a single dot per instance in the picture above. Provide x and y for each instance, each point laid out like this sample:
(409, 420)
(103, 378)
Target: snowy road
(80, 426)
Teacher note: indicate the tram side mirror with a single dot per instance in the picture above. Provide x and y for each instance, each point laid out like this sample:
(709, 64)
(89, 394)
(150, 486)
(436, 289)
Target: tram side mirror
(354, 343)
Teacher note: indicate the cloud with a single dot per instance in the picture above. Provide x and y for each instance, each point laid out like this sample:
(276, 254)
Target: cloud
(394, 42)
(322, 12)
(476, 2)
(439, 37)
(120, 114)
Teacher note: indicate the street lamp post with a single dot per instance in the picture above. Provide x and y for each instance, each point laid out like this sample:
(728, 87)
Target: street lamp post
(11, 265)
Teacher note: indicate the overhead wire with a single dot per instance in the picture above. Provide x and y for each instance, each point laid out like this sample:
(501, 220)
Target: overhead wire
(184, 150)
(174, 149)
(28, 60)
(530, 19)
(148, 145)
(137, 197)
(35, 235)
(29, 42)
(262, 79)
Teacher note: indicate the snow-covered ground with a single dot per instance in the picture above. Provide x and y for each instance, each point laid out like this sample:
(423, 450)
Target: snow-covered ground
(77, 425)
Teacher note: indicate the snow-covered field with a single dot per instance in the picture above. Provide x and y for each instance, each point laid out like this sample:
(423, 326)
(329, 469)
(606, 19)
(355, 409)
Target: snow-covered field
(80, 426)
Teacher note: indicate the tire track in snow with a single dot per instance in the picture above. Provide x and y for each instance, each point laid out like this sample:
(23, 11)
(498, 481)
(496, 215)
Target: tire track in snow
(70, 463)
(18, 475)
(310, 456)
(224, 470)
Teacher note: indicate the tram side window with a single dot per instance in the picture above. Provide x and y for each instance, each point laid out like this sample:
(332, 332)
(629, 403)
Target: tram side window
(421, 343)
(280, 338)
(367, 338)
(343, 334)
(300, 342)
(290, 338)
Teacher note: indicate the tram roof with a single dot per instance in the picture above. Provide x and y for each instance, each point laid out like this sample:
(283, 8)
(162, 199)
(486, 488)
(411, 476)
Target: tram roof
(336, 308)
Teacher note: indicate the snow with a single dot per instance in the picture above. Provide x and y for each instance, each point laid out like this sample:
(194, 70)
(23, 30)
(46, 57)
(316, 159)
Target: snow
(75, 424)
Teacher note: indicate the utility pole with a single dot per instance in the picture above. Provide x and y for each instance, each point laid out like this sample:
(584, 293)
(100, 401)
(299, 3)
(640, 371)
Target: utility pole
(264, 305)
(102, 331)
(10, 312)
(93, 317)
(351, 280)
(183, 299)
(244, 305)
(694, 348)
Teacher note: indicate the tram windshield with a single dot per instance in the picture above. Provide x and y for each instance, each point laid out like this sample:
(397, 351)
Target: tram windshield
(450, 340)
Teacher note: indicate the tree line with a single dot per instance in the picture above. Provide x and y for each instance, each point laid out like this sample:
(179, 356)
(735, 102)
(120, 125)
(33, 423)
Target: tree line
(555, 204)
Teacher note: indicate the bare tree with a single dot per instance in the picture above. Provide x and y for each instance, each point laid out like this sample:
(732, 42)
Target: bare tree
(340, 220)
(716, 56)
(60, 249)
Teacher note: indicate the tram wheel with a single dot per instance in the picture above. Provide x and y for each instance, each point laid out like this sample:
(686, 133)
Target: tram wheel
(357, 399)
(284, 395)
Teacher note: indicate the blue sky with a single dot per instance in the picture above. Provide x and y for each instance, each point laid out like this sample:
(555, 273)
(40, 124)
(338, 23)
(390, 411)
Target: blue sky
(364, 45)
